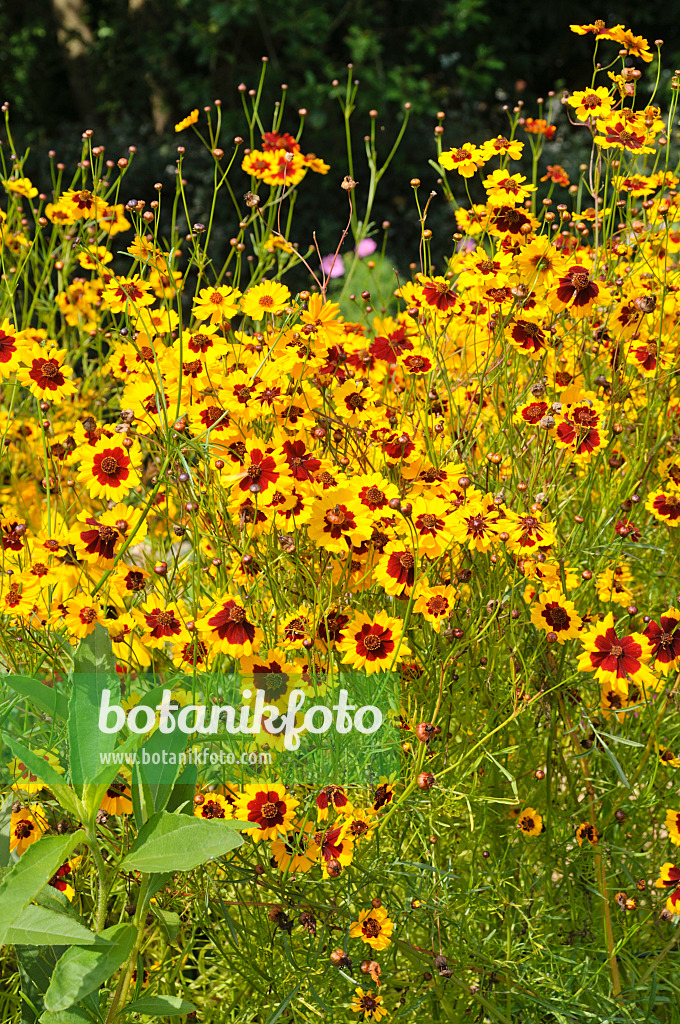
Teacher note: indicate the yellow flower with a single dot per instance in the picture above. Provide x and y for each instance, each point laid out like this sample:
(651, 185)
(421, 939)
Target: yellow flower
(26, 827)
(216, 304)
(557, 616)
(530, 822)
(190, 119)
(505, 189)
(368, 1003)
(466, 160)
(22, 186)
(268, 297)
(374, 927)
(591, 103)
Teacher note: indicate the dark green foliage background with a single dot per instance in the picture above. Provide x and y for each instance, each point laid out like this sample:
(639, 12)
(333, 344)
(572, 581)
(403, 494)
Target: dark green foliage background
(148, 62)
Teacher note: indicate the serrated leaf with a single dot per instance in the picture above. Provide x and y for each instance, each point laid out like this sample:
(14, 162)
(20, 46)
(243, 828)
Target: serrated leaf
(82, 970)
(36, 866)
(176, 842)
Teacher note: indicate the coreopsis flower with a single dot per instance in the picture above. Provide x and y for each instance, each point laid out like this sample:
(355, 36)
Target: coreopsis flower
(576, 291)
(508, 149)
(216, 304)
(539, 261)
(45, 375)
(435, 604)
(267, 297)
(505, 189)
(321, 318)
(664, 638)
(668, 758)
(383, 794)
(527, 532)
(290, 852)
(589, 103)
(528, 336)
(539, 126)
(636, 46)
(614, 701)
(82, 204)
(211, 806)
(553, 613)
(302, 464)
(127, 294)
(228, 628)
(283, 168)
(429, 516)
(161, 622)
(58, 880)
(474, 525)
(329, 846)
(358, 825)
(98, 538)
(94, 257)
(27, 824)
(336, 520)
(9, 349)
(108, 470)
(262, 468)
(369, 1004)
(466, 160)
(613, 659)
(269, 806)
(588, 832)
(23, 780)
(532, 412)
(373, 644)
(395, 570)
(118, 799)
(673, 826)
(664, 506)
(374, 927)
(113, 221)
(80, 615)
(580, 430)
(530, 822)
(355, 404)
(617, 133)
(374, 494)
(439, 293)
(21, 187)
(557, 174)
(273, 674)
(335, 797)
(187, 121)
(612, 585)
(669, 876)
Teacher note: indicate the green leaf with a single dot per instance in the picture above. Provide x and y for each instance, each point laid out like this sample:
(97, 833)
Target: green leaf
(46, 773)
(169, 922)
(160, 1006)
(183, 791)
(94, 671)
(47, 699)
(84, 970)
(39, 926)
(76, 1015)
(36, 964)
(155, 782)
(176, 842)
(5, 824)
(37, 865)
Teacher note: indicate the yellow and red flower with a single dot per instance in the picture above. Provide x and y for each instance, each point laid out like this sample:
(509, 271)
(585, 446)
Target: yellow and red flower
(373, 643)
(269, 806)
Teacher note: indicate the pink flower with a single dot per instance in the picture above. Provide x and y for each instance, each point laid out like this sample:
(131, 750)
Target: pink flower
(333, 265)
(365, 248)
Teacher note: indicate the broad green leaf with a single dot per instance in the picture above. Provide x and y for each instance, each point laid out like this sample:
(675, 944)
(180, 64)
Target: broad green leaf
(176, 842)
(94, 671)
(38, 926)
(154, 782)
(5, 823)
(75, 1015)
(183, 791)
(44, 697)
(35, 867)
(46, 773)
(82, 970)
(160, 1006)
